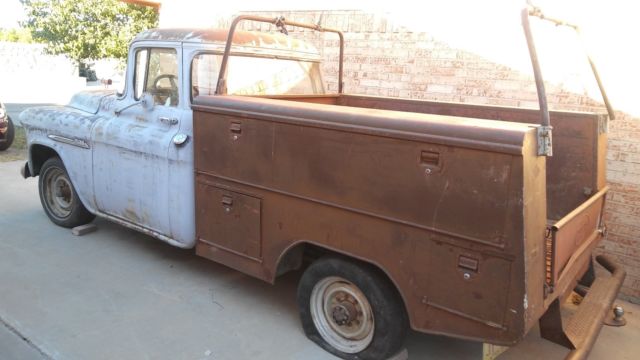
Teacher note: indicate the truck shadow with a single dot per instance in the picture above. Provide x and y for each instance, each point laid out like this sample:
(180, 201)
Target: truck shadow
(226, 285)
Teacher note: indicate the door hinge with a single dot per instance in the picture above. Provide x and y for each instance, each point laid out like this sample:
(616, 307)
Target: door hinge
(545, 144)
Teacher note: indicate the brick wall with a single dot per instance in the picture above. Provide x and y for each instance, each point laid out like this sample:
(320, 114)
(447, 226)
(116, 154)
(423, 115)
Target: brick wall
(623, 204)
(383, 58)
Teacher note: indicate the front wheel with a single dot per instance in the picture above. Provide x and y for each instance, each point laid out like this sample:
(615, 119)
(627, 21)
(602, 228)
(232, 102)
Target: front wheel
(351, 310)
(59, 198)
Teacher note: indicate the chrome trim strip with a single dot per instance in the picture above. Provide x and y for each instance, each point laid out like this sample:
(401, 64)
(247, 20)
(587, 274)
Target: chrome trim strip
(70, 141)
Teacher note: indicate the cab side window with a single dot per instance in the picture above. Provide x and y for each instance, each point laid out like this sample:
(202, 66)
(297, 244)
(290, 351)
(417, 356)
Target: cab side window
(156, 73)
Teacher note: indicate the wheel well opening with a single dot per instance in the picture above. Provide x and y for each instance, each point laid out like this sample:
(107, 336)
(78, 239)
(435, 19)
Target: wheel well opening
(303, 254)
(300, 255)
(40, 154)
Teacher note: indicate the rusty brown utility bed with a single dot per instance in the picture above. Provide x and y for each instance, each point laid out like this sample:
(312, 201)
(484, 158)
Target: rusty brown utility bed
(453, 209)
(463, 220)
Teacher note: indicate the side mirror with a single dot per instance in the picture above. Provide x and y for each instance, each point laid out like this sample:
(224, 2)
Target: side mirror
(146, 101)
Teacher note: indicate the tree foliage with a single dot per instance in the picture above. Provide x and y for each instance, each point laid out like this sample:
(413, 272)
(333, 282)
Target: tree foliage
(15, 35)
(87, 29)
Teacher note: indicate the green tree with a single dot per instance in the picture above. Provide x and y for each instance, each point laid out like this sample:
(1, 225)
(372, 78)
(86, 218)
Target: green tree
(15, 35)
(87, 29)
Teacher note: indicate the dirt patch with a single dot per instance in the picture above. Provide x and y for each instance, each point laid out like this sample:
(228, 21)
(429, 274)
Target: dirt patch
(17, 150)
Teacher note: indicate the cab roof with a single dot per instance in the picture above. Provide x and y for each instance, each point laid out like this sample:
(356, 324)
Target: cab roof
(253, 39)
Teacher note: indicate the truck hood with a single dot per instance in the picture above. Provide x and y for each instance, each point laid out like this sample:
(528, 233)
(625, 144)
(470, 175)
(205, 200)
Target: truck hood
(90, 101)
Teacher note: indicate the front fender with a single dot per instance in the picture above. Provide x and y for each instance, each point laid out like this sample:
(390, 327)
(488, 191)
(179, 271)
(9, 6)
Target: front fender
(64, 132)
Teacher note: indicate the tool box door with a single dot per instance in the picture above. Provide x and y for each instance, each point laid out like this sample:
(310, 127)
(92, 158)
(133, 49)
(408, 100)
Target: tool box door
(229, 220)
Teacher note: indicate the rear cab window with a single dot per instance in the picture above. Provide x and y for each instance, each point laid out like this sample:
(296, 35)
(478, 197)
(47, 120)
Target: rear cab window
(252, 75)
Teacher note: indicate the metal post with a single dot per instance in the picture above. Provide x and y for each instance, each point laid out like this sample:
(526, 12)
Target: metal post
(545, 146)
(221, 87)
(535, 11)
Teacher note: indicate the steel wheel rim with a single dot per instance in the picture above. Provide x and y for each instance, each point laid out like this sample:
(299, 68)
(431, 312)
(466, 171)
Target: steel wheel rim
(342, 315)
(58, 193)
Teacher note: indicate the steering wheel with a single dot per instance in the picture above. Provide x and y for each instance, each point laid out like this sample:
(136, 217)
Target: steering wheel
(172, 79)
(171, 92)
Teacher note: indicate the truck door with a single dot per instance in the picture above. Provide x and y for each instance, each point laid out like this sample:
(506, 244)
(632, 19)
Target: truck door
(130, 162)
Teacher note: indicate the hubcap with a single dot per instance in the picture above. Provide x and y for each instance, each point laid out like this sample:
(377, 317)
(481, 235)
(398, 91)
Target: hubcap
(58, 193)
(342, 314)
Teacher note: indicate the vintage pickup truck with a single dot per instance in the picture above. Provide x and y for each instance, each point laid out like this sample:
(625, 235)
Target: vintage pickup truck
(446, 218)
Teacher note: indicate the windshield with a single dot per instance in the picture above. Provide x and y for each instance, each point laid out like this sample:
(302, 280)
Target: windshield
(247, 75)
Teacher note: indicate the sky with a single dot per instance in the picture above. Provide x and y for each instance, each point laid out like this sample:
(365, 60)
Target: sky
(10, 13)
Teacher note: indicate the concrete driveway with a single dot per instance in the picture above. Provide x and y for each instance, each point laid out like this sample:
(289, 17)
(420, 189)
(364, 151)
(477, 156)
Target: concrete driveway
(117, 294)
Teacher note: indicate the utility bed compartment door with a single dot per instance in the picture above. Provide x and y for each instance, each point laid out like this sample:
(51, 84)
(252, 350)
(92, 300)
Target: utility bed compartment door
(228, 220)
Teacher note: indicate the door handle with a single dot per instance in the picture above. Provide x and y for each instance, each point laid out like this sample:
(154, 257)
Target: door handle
(236, 130)
(168, 120)
(227, 203)
(430, 161)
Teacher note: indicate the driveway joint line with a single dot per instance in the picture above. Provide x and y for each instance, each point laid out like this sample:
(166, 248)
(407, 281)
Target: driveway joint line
(16, 332)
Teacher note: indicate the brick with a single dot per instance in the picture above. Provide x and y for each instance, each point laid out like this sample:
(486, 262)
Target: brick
(622, 176)
(437, 88)
(506, 84)
(623, 198)
(624, 145)
(528, 104)
(370, 82)
(405, 94)
(372, 91)
(619, 218)
(624, 166)
(630, 234)
(614, 248)
(625, 209)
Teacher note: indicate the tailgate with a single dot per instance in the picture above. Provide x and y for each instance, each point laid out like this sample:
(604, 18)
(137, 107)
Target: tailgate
(570, 237)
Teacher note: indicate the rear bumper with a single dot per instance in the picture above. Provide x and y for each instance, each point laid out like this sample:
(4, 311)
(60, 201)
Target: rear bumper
(585, 325)
(580, 332)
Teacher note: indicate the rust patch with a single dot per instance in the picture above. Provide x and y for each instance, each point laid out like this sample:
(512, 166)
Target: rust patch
(131, 215)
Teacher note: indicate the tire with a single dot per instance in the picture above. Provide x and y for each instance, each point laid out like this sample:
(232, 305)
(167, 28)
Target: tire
(8, 136)
(59, 198)
(351, 309)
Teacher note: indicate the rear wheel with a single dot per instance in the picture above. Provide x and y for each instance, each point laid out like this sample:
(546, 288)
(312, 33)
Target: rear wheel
(59, 198)
(8, 136)
(351, 310)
